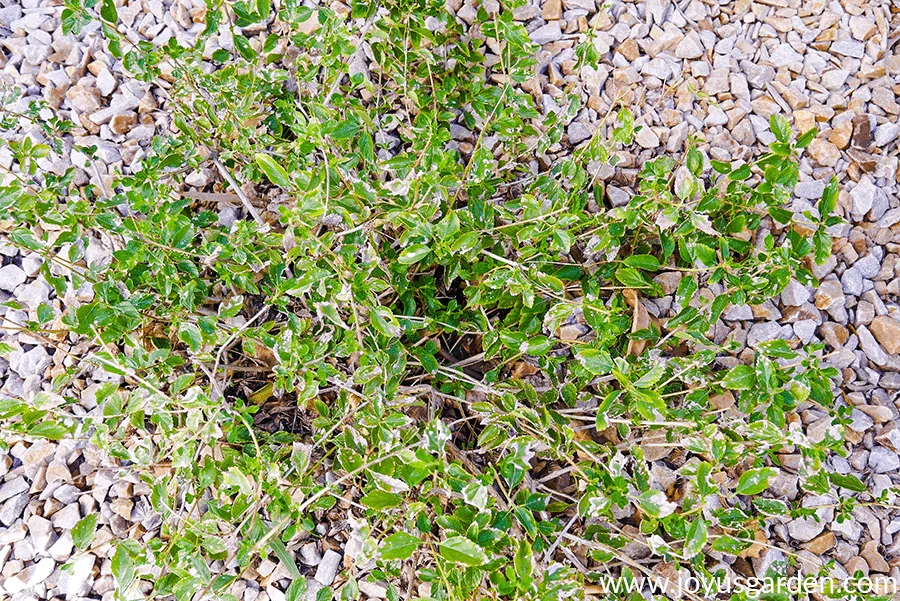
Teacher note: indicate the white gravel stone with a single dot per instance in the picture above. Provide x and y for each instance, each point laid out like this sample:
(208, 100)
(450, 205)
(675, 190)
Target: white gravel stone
(67, 517)
(785, 56)
(763, 332)
(328, 568)
(41, 532)
(886, 133)
(716, 116)
(61, 550)
(849, 529)
(30, 576)
(870, 347)
(868, 266)
(547, 33)
(805, 529)
(12, 488)
(77, 583)
(309, 554)
(11, 276)
(106, 82)
(849, 48)
(852, 282)
(805, 329)
(795, 294)
(31, 363)
(883, 460)
(647, 138)
(690, 46)
(863, 195)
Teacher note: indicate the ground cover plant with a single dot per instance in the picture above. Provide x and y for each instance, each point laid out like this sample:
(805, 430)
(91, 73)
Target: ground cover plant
(432, 322)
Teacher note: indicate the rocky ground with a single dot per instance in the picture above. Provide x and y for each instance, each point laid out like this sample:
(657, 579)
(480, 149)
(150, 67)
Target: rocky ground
(717, 70)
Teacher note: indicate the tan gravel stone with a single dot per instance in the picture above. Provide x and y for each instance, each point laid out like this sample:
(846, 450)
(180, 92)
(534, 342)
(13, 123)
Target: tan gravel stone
(122, 507)
(825, 153)
(840, 133)
(551, 10)
(874, 558)
(83, 99)
(887, 332)
(821, 543)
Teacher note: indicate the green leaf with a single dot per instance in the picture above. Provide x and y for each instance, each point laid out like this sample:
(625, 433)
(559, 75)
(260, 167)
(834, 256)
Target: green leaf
(244, 48)
(632, 278)
(780, 127)
(829, 198)
(739, 377)
(275, 172)
(108, 11)
(83, 531)
(771, 506)
(190, 334)
(284, 556)
(696, 538)
(648, 262)
(380, 499)
(753, 482)
(694, 161)
(808, 136)
(459, 549)
(656, 504)
(596, 361)
(49, 429)
(122, 567)
(413, 254)
(848, 481)
(730, 545)
(399, 546)
(345, 130)
(720, 166)
(740, 174)
(652, 376)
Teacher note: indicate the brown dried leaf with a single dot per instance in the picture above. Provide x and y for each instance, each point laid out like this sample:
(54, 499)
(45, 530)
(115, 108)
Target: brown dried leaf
(756, 549)
(640, 320)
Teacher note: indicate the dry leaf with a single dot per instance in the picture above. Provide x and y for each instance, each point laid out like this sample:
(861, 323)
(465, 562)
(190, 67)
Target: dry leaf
(756, 549)
(640, 320)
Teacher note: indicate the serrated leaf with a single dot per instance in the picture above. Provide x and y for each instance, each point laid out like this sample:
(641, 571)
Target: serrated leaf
(596, 361)
(753, 482)
(83, 531)
(696, 538)
(632, 278)
(108, 11)
(50, 430)
(771, 506)
(381, 499)
(190, 334)
(399, 546)
(345, 130)
(459, 549)
(806, 138)
(848, 481)
(829, 198)
(729, 544)
(780, 127)
(648, 262)
(122, 567)
(739, 377)
(656, 504)
(413, 254)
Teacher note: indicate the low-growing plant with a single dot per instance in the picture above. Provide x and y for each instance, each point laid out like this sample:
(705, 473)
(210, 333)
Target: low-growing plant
(499, 379)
